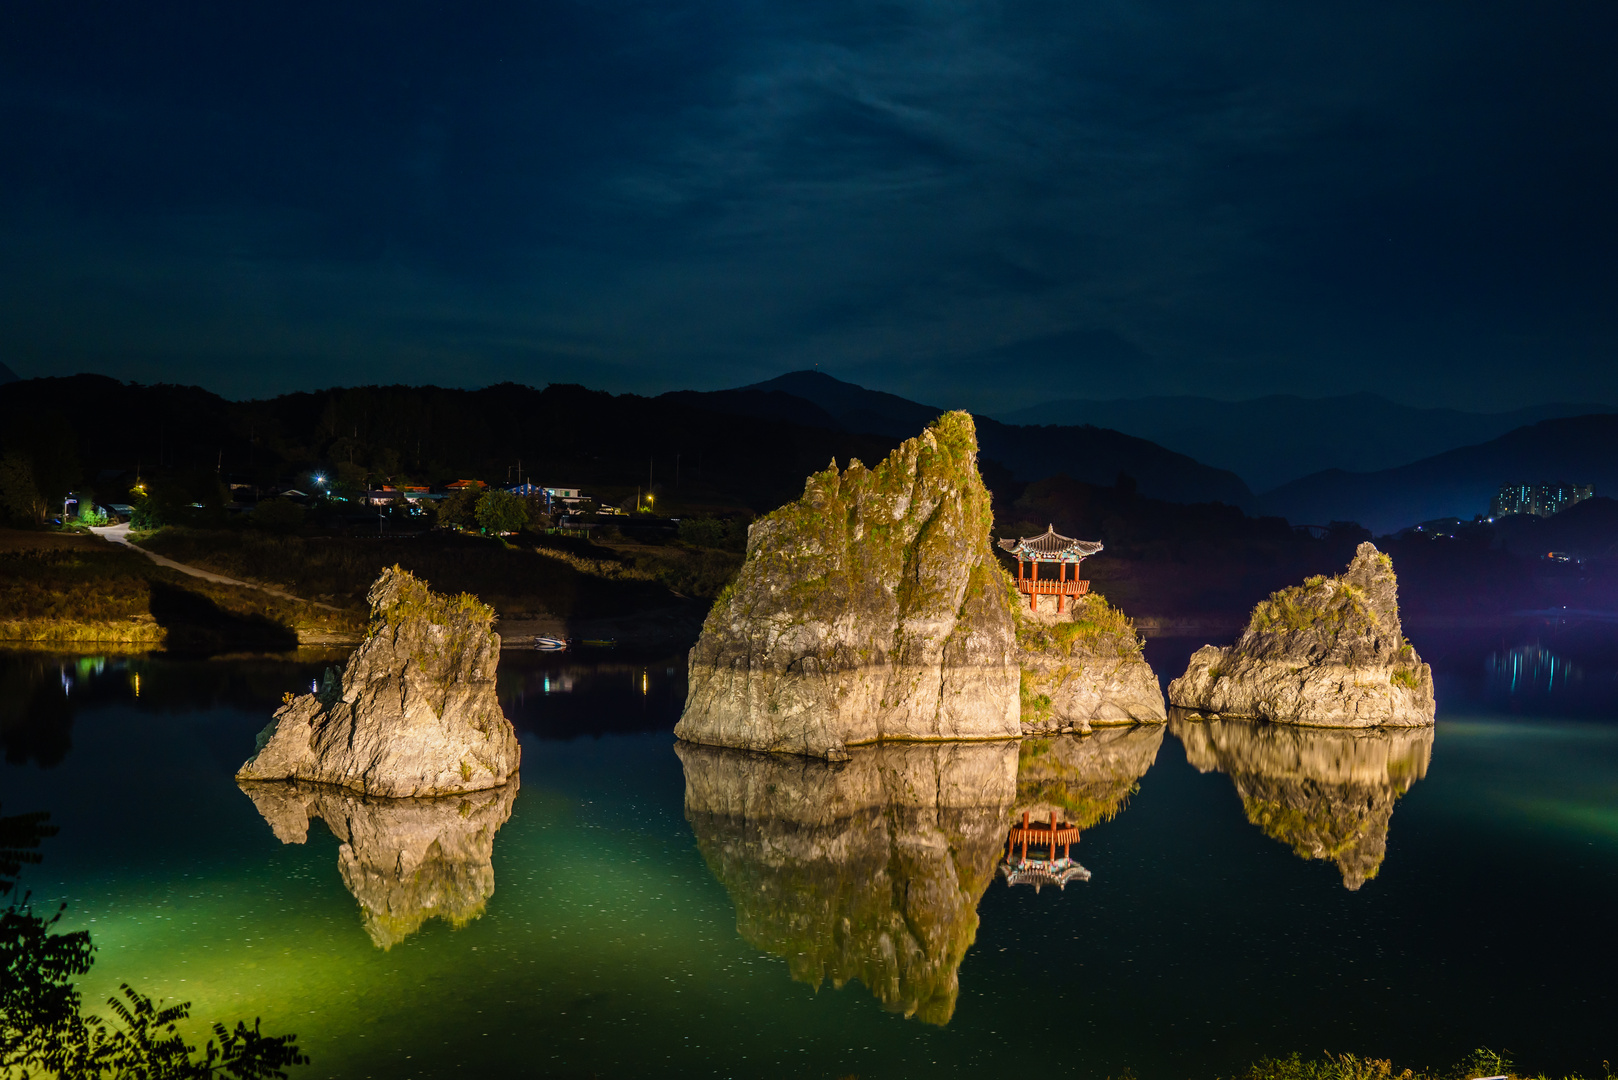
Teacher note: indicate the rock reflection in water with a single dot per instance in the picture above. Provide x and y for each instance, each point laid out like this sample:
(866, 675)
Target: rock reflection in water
(1067, 784)
(868, 869)
(1325, 792)
(405, 860)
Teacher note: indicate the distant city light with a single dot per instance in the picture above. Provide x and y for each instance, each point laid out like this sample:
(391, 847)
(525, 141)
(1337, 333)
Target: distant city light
(320, 478)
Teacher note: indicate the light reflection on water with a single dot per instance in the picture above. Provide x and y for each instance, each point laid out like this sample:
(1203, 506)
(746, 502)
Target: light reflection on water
(1530, 669)
(627, 914)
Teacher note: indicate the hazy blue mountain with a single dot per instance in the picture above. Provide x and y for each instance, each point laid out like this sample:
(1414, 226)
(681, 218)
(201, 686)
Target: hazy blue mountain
(7, 375)
(1457, 483)
(1094, 455)
(1269, 441)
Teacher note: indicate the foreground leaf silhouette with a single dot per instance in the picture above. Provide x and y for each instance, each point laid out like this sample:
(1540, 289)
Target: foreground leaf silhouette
(43, 1028)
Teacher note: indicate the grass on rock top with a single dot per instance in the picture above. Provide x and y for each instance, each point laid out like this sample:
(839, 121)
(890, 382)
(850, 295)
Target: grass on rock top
(1327, 603)
(858, 532)
(412, 599)
(1095, 626)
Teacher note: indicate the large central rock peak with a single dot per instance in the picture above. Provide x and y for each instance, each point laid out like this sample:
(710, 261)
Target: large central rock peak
(869, 609)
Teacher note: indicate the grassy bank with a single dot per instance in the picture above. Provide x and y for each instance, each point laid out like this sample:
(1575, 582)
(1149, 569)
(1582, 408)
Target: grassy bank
(78, 590)
(519, 577)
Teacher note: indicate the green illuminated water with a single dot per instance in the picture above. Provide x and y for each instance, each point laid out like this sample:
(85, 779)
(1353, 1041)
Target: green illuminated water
(610, 945)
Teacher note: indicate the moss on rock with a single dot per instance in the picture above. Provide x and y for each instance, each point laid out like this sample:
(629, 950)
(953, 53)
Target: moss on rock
(1330, 653)
(869, 609)
(1083, 668)
(415, 711)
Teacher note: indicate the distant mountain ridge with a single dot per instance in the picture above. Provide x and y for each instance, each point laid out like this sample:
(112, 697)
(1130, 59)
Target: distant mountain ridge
(1457, 483)
(7, 375)
(1273, 440)
(1091, 454)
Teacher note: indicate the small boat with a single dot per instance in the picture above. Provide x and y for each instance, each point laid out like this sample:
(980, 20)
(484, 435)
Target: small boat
(549, 644)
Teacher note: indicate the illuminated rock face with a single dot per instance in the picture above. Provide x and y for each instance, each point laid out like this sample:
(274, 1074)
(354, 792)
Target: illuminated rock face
(416, 711)
(1083, 669)
(1325, 794)
(871, 609)
(405, 860)
(1084, 781)
(1328, 653)
(870, 869)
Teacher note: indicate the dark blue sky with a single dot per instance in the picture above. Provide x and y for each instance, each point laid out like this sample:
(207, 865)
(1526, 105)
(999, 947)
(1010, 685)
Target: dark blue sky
(976, 204)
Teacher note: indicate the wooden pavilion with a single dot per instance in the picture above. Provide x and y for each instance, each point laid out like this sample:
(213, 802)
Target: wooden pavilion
(1050, 546)
(1018, 868)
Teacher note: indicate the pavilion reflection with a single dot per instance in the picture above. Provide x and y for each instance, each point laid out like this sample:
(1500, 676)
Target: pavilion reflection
(868, 869)
(1065, 785)
(405, 860)
(1327, 793)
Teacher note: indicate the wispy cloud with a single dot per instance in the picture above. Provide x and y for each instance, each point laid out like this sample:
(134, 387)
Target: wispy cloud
(1139, 197)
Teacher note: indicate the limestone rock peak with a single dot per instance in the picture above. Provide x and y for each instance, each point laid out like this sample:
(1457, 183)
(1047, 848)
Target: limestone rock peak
(870, 609)
(414, 711)
(1327, 653)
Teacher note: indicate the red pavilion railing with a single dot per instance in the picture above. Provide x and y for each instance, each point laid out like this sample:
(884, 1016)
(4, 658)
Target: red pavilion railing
(1044, 587)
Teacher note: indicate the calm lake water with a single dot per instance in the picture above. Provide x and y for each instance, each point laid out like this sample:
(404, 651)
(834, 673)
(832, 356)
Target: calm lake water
(634, 911)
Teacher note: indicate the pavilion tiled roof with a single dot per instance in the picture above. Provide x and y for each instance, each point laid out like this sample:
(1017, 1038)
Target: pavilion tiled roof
(1051, 544)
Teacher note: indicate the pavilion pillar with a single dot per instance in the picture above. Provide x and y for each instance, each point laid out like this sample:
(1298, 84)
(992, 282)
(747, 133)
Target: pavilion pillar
(1033, 585)
(1061, 600)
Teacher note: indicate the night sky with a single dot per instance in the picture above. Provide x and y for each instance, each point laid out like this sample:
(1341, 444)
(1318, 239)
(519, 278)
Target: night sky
(970, 204)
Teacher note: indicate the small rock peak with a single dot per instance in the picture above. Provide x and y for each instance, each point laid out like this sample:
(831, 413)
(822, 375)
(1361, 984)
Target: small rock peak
(1371, 572)
(1329, 653)
(413, 711)
(389, 587)
(1368, 566)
